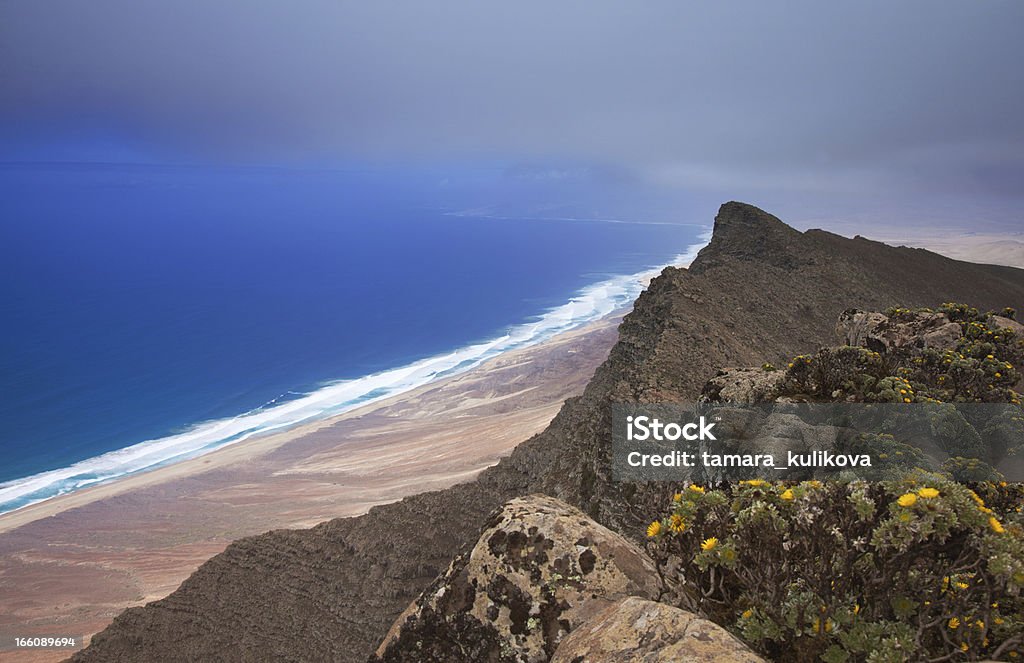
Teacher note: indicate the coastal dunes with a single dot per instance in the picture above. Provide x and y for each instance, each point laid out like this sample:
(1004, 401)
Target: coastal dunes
(760, 291)
(70, 564)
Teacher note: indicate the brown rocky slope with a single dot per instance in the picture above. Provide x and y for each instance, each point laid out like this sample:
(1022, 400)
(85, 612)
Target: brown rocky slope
(760, 291)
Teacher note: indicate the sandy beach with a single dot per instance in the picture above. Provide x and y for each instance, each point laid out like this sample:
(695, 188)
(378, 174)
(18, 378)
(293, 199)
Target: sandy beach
(72, 563)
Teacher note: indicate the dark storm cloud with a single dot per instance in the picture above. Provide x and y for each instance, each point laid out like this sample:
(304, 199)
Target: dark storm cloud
(777, 94)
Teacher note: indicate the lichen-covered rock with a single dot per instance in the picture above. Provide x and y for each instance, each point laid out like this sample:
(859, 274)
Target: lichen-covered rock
(744, 385)
(540, 568)
(636, 630)
(881, 333)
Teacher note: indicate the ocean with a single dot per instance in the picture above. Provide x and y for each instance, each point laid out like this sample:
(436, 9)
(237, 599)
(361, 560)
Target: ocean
(155, 313)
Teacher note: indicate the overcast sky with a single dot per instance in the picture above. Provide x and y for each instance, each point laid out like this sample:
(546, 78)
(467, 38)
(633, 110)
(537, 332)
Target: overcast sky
(794, 95)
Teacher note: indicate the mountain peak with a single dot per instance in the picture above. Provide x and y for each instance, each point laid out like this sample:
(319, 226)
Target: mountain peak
(748, 232)
(733, 214)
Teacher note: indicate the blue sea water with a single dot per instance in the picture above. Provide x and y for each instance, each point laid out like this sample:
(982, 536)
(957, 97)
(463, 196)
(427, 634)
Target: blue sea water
(152, 313)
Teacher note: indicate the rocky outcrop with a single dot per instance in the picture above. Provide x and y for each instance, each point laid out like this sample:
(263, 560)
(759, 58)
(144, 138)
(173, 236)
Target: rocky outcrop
(539, 570)
(635, 630)
(745, 385)
(1003, 322)
(883, 334)
(760, 291)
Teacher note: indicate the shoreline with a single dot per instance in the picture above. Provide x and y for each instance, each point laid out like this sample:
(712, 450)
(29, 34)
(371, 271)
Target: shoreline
(308, 412)
(72, 563)
(971, 247)
(261, 444)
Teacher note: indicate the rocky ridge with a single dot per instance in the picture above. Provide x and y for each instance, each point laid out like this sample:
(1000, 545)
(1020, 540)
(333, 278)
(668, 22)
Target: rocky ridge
(760, 291)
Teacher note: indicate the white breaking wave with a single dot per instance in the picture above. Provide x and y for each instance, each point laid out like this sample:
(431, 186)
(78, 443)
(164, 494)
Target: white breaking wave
(590, 304)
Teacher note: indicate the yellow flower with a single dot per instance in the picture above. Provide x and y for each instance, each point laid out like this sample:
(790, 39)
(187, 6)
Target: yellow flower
(678, 497)
(676, 523)
(697, 489)
(977, 499)
(709, 544)
(999, 375)
(856, 609)
(787, 494)
(748, 613)
(907, 400)
(996, 526)
(953, 623)
(927, 493)
(980, 624)
(907, 499)
(998, 621)
(654, 529)
(754, 482)
(962, 585)
(964, 646)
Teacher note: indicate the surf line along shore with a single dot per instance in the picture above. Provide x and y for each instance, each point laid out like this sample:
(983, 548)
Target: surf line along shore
(102, 549)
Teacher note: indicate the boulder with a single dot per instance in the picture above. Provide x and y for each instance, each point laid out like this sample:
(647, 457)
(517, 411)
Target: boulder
(912, 330)
(540, 568)
(855, 326)
(744, 385)
(1001, 322)
(636, 630)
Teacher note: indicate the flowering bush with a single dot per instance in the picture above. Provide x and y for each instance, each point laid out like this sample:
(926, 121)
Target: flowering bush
(913, 566)
(913, 569)
(981, 368)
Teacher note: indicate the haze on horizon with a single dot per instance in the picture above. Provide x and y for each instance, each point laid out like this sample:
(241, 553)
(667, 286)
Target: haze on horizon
(802, 104)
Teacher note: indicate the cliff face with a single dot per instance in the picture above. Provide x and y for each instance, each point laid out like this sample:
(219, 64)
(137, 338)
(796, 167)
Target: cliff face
(760, 291)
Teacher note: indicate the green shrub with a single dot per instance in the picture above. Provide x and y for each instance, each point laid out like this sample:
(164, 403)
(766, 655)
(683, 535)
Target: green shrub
(981, 368)
(908, 567)
(915, 569)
